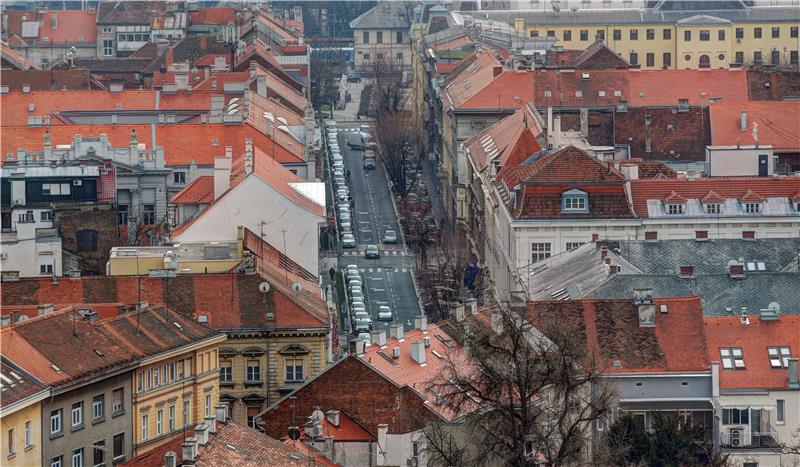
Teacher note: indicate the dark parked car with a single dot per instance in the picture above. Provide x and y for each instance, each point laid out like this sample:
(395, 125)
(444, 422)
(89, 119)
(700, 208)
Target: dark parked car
(369, 164)
(353, 78)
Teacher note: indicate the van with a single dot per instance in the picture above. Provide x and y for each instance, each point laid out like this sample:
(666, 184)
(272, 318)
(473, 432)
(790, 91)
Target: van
(355, 141)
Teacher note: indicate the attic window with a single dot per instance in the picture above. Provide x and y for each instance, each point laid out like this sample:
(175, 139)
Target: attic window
(752, 208)
(732, 358)
(578, 93)
(601, 94)
(548, 94)
(617, 93)
(574, 201)
(713, 208)
(214, 142)
(675, 208)
(779, 357)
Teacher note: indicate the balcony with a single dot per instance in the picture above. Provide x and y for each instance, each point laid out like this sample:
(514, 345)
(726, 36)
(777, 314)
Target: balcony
(746, 439)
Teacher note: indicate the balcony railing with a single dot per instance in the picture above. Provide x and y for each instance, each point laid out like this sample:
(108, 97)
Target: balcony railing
(750, 439)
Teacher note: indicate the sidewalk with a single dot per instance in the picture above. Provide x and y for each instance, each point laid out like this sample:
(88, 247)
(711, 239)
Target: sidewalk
(434, 196)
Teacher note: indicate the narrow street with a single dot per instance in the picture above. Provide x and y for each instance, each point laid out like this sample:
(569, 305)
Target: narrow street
(387, 280)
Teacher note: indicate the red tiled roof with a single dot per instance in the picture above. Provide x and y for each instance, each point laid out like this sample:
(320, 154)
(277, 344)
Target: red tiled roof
(213, 16)
(79, 348)
(16, 60)
(229, 300)
(777, 123)
(14, 105)
(347, 430)
(72, 27)
(445, 68)
(280, 178)
(405, 371)
(505, 138)
(711, 197)
(509, 90)
(610, 328)
(469, 80)
(130, 12)
(646, 87)
(674, 198)
(566, 165)
(234, 445)
(72, 79)
(454, 43)
(199, 191)
(651, 169)
(753, 339)
(752, 196)
(726, 188)
(17, 383)
(795, 197)
(673, 136)
(103, 310)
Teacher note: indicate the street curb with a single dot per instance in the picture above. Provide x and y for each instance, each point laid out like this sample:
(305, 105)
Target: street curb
(394, 206)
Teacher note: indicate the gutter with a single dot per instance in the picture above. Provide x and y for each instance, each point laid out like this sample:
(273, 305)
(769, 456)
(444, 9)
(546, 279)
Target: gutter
(183, 348)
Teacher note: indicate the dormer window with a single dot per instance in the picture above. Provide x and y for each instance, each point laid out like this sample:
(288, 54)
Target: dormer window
(732, 358)
(752, 207)
(779, 357)
(713, 208)
(574, 201)
(675, 208)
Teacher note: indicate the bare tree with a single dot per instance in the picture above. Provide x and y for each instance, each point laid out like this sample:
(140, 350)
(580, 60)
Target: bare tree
(533, 396)
(399, 136)
(387, 86)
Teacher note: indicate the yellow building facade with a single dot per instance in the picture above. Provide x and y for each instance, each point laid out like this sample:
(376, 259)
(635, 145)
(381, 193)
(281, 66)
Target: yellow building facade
(174, 390)
(22, 433)
(700, 41)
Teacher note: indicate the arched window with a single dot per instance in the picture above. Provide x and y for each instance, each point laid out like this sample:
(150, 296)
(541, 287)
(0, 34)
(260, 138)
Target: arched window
(705, 61)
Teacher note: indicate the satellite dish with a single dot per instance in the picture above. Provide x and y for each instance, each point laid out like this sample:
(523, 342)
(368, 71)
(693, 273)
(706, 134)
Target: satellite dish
(774, 306)
(263, 287)
(294, 433)
(296, 286)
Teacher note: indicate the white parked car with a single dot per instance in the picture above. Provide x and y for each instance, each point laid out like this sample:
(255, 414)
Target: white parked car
(348, 241)
(384, 313)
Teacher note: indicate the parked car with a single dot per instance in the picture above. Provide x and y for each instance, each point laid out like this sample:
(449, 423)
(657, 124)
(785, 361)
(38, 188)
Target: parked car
(372, 252)
(346, 227)
(357, 295)
(353, 78)
(348, 241)
(390, 236)
(355, 141)
(358, 307)
(355, 283)
(350, 267)
(363, 325)
(362, 315)
(339, 181)
(344, 216)
(384, 313)
(369, 164)
(353, 288)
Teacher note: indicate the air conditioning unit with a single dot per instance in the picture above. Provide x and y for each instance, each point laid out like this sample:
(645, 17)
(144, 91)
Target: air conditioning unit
(412, 462)
(736, 436)
(77, 182)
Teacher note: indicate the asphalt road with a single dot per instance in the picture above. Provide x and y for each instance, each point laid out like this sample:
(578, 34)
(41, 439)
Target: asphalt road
(387, 281)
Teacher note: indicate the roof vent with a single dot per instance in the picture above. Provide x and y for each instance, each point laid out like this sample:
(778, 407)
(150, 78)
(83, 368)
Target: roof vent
(642, 296)
(584, 75)
(26, 89)
(663, 309)
(771, 313)
(31, 106)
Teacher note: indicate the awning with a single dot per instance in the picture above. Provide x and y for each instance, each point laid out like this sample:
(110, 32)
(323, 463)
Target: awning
(749, 402)
(666, 405)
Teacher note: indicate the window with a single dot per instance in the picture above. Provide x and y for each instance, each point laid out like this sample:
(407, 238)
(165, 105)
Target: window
(122, 214)
(667, 34)
(667, 59)
(11, 437)
(752, 208)
(539, 251)
(108, 47)
(56, 189)
(573, 245)
(294, 369)
(119, 445)
(379, 37)
(225, 371)
(156, 377)
(149, 214)
(208, 405)
(793, 32)
(675, 208)
(46, 269)
(757, 33)
(687, 36)
(617, 34)
(187, 413)
(534, 33)
(634, 34)
(106, 29)
(46, 216)
(781, 409)
(117, 405)
(86, 240)
(56, 461)
(732, 358)
(739, 58)
(775, 57)
(749, 234)
(574, 200)
(551, 34)
(399, 37)
(567, 35)
(705, 35)
(634, 58)
(399, 58)
(701, 234)
(757, 59)
(252, 415)
(99, 455)
(55, 422)
(584, 35)
(600, 35)
(179, 178)
(365, 37)
(145, 426)
(77, 414)
(650, 34)
(253, 370)
(740, 33)
(77, 458)
(98, 407)
(548, 93)
(578, 93)
(721, 35)
(160, 422)
(776, 32)
(735, 416)
(705, 61)
(651, 236)
(651, 59)
(172, 417)
(793, 57)
(28, 434)
(779, 357)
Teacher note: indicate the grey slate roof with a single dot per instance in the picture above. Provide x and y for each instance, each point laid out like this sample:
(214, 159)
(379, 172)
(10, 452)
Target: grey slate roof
(717, 291)
(385, 15)
(634, 16)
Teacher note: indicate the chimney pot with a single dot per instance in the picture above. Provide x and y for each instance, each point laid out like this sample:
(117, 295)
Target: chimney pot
(379, 338)
(189, 449)
(396, 331)
(607, 260)
(170, 459)
(421, 322)
(736, 270)
(457, 310)
(211, 423)
(360, 345)
(603, 252)
(201, 434)
(222, 412)
(497, 70)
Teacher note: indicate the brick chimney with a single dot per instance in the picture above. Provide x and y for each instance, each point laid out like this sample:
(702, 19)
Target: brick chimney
(189, 450)
(736, 270)
(201, 434)
(169, 58)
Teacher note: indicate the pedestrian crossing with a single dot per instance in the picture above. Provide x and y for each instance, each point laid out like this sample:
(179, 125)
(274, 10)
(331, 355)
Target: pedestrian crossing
(368, 270)
(383, 253)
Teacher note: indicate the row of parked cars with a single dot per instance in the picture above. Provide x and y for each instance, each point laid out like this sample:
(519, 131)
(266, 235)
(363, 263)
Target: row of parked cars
(362, 321)
(343, 198)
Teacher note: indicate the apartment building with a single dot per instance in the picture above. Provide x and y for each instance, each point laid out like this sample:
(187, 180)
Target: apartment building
(381, 35)
(659, 36)
(50, 38)
(124, 27)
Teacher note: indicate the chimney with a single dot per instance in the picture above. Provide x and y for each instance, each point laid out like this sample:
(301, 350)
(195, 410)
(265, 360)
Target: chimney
(333, 417)
(329, 447)
(607, 260)
(360, 345)
(222, 413)
(396, 331)
(421, 323)
(379, 338)
(248, 156)
(418, 352)
(584, 122)
(686, 271)
(497, 70)
(201, 434)
(457, 310)
(261, 85)
(211, 423)
(794, 382)
(222, 174)
(170, 459)
(253, 69)
(471, 306)
(45, 309)
(603, 252)
(189, 452)
(743, 120)
(383, 432)
(715, 379)
(736, 270)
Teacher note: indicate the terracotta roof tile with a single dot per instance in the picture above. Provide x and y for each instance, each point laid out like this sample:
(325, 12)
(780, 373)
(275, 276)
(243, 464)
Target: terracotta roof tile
(499, 141)
(509, 90)
(777, 123)
(712, 197)
(610, 328)
(213, 16)
(71, 27)
(754, 339)
(129, 12)
(72, 79)
(752, 196)
(674, 198)
(17, 384)
(199, 191)
(14, 59)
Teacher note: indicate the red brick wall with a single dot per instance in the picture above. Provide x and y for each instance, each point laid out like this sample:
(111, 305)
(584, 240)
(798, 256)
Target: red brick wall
(104, 222)
(353, 388)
